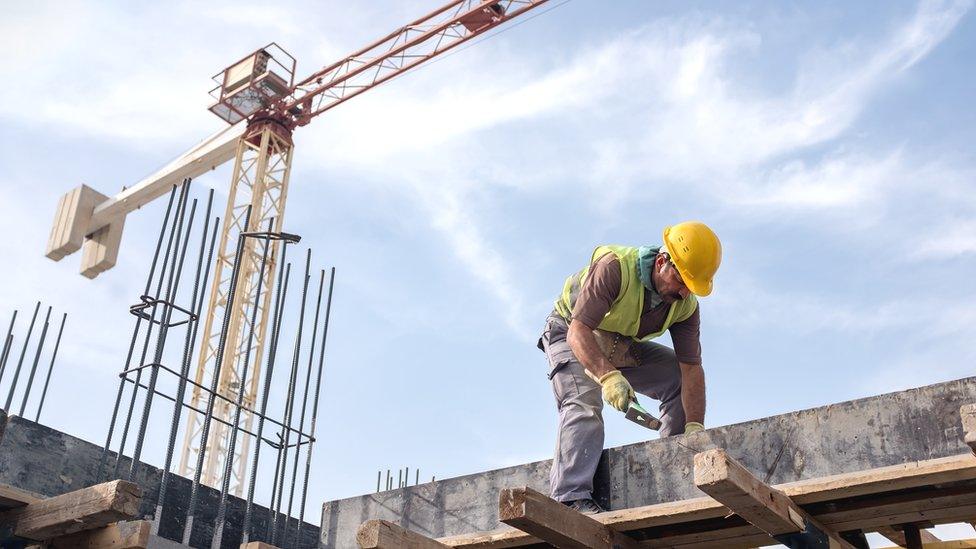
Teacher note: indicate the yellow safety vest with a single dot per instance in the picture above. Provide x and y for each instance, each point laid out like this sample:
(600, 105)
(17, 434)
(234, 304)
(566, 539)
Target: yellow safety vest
(625, 312)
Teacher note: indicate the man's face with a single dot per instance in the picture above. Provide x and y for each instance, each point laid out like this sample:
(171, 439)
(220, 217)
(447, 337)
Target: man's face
(668, 281)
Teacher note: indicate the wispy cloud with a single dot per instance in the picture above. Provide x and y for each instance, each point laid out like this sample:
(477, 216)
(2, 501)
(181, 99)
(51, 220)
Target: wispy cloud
(663, 102)
(948, 239)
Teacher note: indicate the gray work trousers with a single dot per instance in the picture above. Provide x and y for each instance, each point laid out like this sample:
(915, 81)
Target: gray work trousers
(579, 400)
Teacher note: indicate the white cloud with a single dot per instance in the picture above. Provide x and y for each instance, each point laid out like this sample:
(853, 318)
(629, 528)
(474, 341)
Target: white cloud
(662, 102)
(458, 224)
(840, 181)
(946, 240)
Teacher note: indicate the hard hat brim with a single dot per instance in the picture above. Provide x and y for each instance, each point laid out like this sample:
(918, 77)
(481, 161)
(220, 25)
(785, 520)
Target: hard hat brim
(701, 289)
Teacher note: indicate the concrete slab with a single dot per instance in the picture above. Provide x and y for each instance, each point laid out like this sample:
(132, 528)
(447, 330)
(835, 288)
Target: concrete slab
(890, 429)
(39, 459)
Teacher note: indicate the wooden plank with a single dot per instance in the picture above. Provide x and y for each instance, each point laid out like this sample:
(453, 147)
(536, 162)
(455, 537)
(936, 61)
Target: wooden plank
(968, 415)
(11, 497)
(555, 523)
(956, 544)
(913, 536)
(257, 545)
(769, 509)
(121, 535)
(811, 491)
(898, 537)
(85, 509)
(732, 485)
(381, 534)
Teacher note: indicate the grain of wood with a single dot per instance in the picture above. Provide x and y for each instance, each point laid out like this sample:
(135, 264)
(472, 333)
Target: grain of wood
(85, 509)
(898, 537)
(913, 474)
(555, 523)
(956, 544)
(11, 497)
(381, 534)
(769, 509)
(121, 535)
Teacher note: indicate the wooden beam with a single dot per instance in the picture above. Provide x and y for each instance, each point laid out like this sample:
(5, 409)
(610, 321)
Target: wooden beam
(898, 537)
(381, 534)
(913, 536)
(121, 535)
(688, 514)
(955, 544)
(968, 414)
(11, 497)
(769, 509)
(85, 509)
(555, 523)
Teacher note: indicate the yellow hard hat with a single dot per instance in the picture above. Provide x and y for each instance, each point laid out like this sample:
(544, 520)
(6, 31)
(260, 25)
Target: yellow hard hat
(696, 252)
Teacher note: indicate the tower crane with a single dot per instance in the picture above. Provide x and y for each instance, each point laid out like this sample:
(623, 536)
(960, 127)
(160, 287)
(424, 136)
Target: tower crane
(262, 104)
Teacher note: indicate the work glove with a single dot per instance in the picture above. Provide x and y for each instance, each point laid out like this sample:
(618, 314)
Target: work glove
(693, 427)
(616, 390)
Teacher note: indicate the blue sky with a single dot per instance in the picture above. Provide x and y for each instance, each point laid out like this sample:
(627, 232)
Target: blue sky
(828, 144)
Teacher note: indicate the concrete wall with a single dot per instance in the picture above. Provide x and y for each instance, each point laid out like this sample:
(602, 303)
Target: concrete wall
(889, 429)
(48, 462)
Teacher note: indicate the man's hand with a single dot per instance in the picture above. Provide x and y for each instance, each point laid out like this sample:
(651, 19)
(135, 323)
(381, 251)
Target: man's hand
(617, 390)
(693, 427)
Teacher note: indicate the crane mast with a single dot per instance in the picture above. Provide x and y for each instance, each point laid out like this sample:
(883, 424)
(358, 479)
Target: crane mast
(260, 180)
(258, 97)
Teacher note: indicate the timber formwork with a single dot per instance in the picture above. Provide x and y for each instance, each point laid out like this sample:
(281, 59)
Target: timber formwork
(740, 510)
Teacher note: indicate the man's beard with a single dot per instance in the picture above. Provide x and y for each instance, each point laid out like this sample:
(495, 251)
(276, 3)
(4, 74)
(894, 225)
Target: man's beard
(670, 298)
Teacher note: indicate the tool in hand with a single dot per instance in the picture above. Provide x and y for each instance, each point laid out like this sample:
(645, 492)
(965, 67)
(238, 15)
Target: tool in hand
(640, 416)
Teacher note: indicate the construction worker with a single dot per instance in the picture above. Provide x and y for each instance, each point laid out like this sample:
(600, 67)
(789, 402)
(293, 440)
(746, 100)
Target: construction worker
(597, 341)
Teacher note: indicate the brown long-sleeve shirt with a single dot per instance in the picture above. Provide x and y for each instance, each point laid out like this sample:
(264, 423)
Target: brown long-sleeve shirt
(602, 287)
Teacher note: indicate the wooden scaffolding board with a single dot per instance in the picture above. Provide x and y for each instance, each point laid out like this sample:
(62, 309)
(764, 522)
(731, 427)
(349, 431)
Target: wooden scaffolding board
(90, 517)
(742, 511)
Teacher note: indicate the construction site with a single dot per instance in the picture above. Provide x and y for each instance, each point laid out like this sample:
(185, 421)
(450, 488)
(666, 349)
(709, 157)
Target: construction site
(779, 196)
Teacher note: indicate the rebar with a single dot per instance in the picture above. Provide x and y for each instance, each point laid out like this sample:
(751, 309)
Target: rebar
(188, 347)
(20, 362)
(7, 344)
(315, 408)
(177, 220)
(50, 368)
(37, 359)
(135, 335)
(290, 402)
(232, 443)
(201, 411)
(207, 390)
(282, 292)
(221, 344)
(172, 291)
(308, 383)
